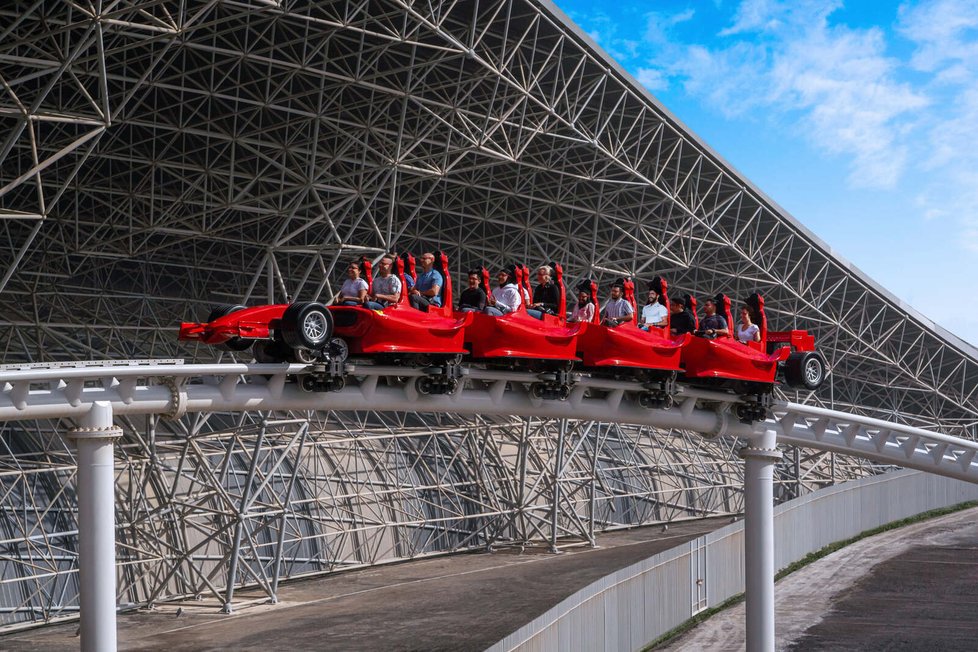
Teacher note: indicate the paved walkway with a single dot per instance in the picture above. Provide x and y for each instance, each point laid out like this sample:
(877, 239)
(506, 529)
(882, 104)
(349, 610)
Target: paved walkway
(914, 588)
(460, 602)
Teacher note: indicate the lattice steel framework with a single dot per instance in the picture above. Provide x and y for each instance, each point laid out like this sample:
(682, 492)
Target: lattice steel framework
(159, 157)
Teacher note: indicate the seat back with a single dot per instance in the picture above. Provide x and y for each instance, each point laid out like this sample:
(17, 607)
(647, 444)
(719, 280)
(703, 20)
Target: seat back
(628, 286)
(519, 278)
(484, 281)
(410, 272)
(691, 309)
(755, 303)
(561, 290)
(525, 292)
(662, 289)
(441, 265)
(366, 271)
(399, 270)
(723, 309)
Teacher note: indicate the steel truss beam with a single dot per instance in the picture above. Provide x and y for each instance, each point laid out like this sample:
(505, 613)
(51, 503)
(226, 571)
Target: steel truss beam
(160, 157)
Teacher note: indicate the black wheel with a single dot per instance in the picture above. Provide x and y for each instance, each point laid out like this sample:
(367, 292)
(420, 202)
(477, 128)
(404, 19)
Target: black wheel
(536, 390)
(304, 356)
(308, 384)
(667, 402)
(337, 384)
(307, 326)
(235, 343)
(805, 370)
(423, 385)
(268, 352)
(338, 349)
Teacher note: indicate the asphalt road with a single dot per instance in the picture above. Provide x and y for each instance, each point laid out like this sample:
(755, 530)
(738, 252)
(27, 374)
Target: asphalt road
(914, 588)
(459, 602)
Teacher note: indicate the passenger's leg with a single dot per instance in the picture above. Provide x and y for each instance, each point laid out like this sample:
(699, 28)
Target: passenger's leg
(373, 305)
(350, 303)
(469, 309)
(536, 314)
(493, 311)
(419, 302)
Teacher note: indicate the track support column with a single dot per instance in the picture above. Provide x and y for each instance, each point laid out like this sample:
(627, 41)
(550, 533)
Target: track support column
(760, 456)
(95, 441)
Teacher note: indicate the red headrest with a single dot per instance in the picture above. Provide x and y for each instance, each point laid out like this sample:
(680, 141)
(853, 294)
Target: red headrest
(399, 270)
(597, 306)
(409, 267)
(441, 264)
(366, 270)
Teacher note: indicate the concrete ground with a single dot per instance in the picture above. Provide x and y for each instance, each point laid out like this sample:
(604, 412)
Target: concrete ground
(459, 602)
(914, 588)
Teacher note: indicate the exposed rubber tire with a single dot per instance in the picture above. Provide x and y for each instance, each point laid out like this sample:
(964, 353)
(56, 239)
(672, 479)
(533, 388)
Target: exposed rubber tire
(805, 370)
(307, 326)
(234, 343)
(268, 352)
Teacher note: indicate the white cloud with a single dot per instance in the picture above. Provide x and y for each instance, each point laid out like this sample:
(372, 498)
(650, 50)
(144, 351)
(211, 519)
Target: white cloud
(776, 15)
(652, 78)
(897, 121)
(836, 83)
(944, 33)
(846, 90)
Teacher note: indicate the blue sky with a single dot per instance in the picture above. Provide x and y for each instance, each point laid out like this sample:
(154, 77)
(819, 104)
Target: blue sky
(859, 118)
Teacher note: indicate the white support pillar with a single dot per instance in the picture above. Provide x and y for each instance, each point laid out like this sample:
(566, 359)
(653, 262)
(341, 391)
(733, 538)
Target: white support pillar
(95, 439)
(760, 455)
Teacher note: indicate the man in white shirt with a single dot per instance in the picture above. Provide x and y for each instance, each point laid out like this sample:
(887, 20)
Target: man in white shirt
(653, 313)
(505, 298)
(617, 310)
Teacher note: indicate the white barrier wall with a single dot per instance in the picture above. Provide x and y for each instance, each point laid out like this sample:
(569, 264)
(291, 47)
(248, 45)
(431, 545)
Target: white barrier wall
(628, 609)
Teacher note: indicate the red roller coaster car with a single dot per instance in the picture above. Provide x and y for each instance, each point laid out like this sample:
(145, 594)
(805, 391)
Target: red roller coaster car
(399, 329)
(547, 345)
(752, 368)
(437, 340)
(652, 355)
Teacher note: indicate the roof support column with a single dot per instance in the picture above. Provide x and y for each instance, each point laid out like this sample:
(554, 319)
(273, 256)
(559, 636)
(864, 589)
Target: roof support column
(760, 456)
(95, 441)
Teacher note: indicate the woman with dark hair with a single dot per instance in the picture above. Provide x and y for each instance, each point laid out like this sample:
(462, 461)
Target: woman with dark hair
(747, 330)
(354, 290)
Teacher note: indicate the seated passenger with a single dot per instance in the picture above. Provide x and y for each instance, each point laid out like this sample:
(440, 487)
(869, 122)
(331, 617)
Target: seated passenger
(681, 321)
(505, 297)
(473, 298)
(653, 313)
(713, 324)
(584, 310)
(427, 289)
(747, 330)
(618, 309)
(546, 295)
(386, 288)
(354, 290)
